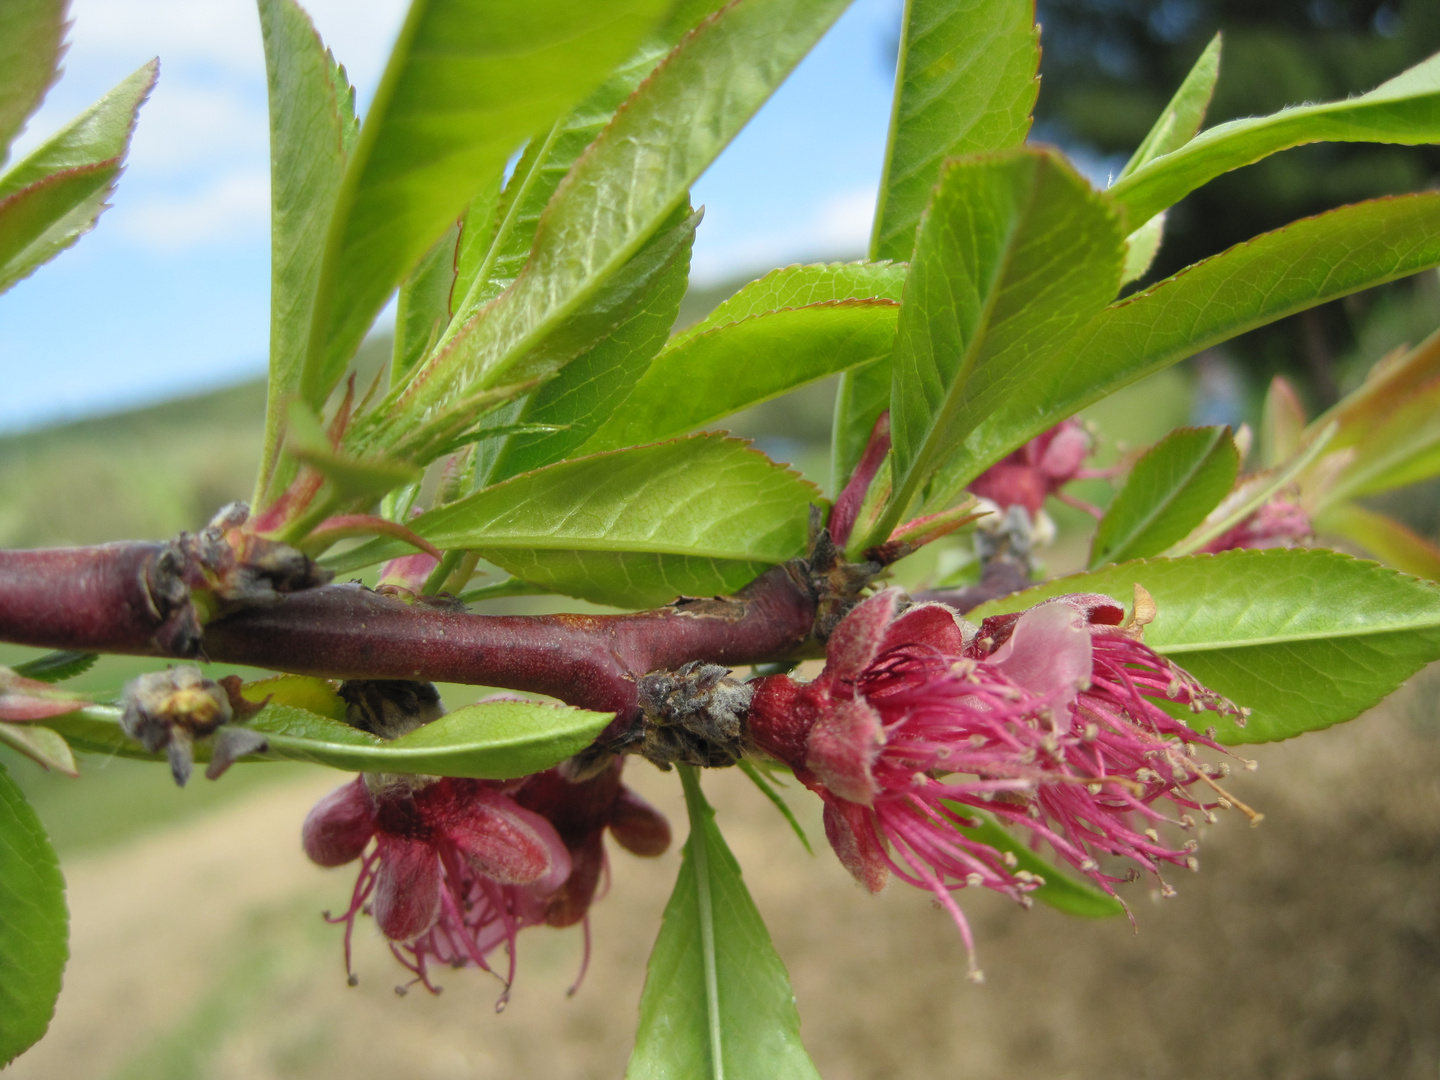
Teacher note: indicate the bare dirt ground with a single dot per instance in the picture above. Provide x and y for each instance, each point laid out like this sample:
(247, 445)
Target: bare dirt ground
(1306, 948)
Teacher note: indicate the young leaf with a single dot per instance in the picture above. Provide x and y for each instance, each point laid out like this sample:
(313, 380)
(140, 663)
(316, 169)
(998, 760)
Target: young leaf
(1401, 448)
(1182, 117)
(756, 777)
(704, 496)
(965, 84)
(53, 197)
(467, 82)
(717, 999)
(1254, 283)
(1061, 891)
(312, 125)
(1404, 110)
(40, 745)
(492, 740)
(1304, 638)
(1382, 536)
(31, 32)
(708, 376)
(587, 328)
(1282, 423)
(1171, 489)
(1176, 126)
(590, 388)
(33, 924)
(423, 309)
(547, 159)
(56, 667)
(1016, 252)
(629, 180)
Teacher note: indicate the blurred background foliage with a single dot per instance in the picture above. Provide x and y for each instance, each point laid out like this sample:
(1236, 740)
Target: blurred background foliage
(1108, 68)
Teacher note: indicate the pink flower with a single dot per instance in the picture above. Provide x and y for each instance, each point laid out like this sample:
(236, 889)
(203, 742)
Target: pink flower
(1037, 470)
(1043, 719)
(459, 866)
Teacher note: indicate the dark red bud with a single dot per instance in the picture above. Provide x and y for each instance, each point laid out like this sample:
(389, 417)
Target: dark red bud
(341, 824)
(638, 827)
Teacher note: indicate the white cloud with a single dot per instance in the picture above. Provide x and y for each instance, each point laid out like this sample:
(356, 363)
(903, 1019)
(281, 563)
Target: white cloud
(232, 207)
(839, 228)
(184, 125)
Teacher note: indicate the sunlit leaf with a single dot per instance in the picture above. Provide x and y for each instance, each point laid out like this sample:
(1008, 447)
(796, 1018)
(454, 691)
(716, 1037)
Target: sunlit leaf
(31, 32)
(1254, 283)
(493, 740)
(1016, 253)
(312, 125)
(33, 924)
(467, 83)
(1406, 109)
(717, 999)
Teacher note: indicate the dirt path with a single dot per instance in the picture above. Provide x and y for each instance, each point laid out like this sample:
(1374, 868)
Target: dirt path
(1307, 948)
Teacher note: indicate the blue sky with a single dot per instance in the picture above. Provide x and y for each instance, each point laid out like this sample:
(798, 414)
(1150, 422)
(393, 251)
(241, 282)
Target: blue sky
(169, 294)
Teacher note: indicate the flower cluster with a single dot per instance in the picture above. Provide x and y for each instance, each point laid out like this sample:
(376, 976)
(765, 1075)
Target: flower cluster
(1045, 719)
(459, 867)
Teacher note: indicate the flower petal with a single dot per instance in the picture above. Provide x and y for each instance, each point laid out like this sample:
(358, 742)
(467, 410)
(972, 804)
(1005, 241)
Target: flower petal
(407, 887)
(848, 829)
(508, 843)
(842, 748)
(1049, 654)
(859, 636)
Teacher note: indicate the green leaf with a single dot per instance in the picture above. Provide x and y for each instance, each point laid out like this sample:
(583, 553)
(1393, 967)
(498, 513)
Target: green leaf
(57, 666)
(717, 999)
(1060, 890)
(98, 136)
(1171, 489)
(31, 32)
(467, 82)
(1177, 125)
(1254, 283)
(1404, 110)
(550, 156)
(966, 84)
(492, 740)
(1305, 639)
(423, 309)
(703, 496)
(312, 125)
(1182, 117)
(53, 197)
(33, 924)
(1384, 537)
(645, 297)
(627, 579)
(40, 745)
(708, 376)
(757, 777)
(630, 179)
(352, 477)
(1016, 253)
